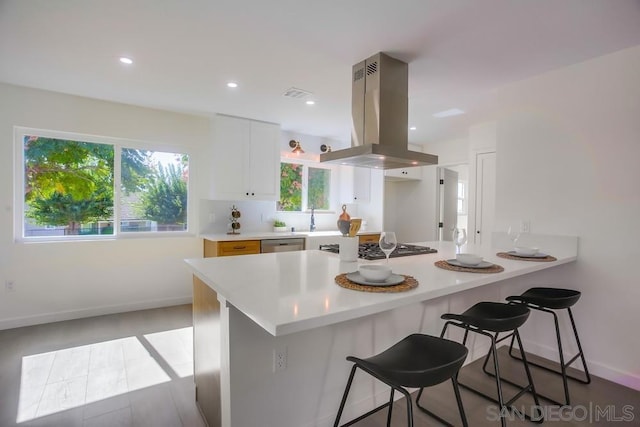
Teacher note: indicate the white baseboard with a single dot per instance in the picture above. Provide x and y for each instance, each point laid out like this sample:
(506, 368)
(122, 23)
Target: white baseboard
(601, 370)
(38, 319)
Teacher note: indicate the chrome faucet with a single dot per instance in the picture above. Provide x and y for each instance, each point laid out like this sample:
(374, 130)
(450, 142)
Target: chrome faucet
(312, 226)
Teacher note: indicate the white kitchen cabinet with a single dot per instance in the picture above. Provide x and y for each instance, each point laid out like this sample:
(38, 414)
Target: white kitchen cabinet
(361, 185)
(355, 184)
(246, 160)
(404, 174)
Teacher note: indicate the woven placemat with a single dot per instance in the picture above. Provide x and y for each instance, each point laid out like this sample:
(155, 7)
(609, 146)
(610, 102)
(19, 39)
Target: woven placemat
(408, 284)
(506, 255)
(495, 268)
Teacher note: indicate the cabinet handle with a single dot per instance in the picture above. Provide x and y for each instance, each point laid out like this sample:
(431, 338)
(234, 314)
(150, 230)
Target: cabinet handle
(239, 247)
(247, 194)
(253, 194)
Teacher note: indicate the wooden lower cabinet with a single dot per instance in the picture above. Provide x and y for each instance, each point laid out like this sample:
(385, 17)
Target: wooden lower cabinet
(369, 238)
(206, 351)
(237, 247)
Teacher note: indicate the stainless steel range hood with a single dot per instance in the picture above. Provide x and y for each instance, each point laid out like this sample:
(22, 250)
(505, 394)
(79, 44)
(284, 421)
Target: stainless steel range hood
(379, 112)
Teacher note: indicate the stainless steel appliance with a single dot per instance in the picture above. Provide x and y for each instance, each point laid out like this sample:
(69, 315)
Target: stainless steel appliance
(372, 251)
(281, 245)
(380, 119)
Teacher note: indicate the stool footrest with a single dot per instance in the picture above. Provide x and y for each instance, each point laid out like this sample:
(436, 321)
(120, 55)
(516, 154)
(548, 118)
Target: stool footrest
(361, 417)
(434, 416)
(508, 404)
(566, 365)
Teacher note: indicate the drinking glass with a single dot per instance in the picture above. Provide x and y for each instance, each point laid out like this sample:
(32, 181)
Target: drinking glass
(459, 237)
(514, 234)
(388, 243)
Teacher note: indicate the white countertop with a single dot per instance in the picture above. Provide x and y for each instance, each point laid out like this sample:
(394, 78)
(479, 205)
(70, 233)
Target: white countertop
(261, 235)
(290, 292)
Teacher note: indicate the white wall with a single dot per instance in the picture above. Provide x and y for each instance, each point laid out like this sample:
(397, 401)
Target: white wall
(568, 145)
(71, 279)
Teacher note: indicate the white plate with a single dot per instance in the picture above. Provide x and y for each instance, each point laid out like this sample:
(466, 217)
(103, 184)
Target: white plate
(538, 255)
(483, 264)
(394, 279)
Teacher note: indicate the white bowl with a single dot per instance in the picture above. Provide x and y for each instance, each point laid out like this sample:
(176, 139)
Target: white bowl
(469, 259)
(523, 250)
(375, 272)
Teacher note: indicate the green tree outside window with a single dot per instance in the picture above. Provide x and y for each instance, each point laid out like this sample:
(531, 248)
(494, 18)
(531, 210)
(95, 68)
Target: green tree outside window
(290, 187)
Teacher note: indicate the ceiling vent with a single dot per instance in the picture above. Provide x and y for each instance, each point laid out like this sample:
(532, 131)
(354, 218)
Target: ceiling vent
(294, 92)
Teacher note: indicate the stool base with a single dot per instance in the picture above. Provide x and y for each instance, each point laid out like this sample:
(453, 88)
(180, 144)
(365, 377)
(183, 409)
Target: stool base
(504, 405)
(563, 366)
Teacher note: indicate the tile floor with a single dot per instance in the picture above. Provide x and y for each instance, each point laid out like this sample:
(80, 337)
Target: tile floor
(130, 369)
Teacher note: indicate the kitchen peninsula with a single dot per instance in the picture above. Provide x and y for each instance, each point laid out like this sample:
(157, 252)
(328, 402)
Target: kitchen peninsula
(285, 327)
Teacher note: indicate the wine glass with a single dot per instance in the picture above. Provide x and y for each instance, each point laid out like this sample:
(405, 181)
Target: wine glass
(459, 237)
(388, 243)
(514, 235)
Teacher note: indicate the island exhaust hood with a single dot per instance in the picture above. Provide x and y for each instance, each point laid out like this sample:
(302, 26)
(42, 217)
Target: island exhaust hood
(379, 112)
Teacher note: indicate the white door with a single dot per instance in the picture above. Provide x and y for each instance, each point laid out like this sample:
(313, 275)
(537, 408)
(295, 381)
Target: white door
(485, 197)
(448, 203)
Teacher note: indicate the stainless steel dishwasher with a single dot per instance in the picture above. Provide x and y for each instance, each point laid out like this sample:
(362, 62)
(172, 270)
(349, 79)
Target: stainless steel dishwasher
(281, 245)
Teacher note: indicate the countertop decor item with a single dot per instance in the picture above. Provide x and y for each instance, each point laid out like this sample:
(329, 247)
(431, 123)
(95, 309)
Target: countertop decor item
(235, 225)
(495, 268)
(406, 285)
(344, 221)
(545, 258)
(279, 226)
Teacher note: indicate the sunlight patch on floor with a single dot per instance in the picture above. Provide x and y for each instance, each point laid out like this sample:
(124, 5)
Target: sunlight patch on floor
(176, 348)
(68, 378)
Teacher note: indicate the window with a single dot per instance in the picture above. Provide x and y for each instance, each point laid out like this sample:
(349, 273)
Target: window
(462, 198)
(303, 187)
(76, 185)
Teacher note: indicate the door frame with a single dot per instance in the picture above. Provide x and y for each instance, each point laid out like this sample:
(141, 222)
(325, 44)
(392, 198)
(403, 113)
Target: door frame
(438, 195)
(473, 190)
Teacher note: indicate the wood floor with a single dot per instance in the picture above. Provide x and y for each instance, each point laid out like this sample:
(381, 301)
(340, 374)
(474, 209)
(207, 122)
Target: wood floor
(135, 369)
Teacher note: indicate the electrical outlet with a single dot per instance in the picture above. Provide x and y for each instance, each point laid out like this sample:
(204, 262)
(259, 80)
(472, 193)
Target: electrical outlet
(525, 226)
(279, 359)
(9, 286)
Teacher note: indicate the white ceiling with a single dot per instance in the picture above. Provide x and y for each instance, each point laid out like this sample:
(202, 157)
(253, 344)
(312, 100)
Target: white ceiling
(186, 51)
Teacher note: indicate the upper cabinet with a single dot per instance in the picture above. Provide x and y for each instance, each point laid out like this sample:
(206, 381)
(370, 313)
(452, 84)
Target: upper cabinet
(246, 160)
(355, 184)
(361, 185)
(405, 174)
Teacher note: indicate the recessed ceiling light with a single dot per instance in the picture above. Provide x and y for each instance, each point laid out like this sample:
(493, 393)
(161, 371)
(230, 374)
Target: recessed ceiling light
(413, 128)
(126, 60)
(448, 113)
(310, 102)
(232, 84)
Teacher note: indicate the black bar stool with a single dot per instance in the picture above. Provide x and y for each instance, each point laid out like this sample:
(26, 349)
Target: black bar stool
(547, 300)
(417, 361)
(490, 319)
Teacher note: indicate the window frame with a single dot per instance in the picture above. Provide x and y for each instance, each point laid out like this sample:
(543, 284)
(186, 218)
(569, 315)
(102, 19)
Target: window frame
(333, 185)
(463, 198)
(118, 144)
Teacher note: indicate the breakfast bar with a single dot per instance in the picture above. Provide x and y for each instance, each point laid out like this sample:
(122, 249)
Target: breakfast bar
(284, 324)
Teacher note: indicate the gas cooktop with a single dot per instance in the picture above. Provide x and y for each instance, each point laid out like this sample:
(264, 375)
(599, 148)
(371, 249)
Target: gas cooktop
(371, 251)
